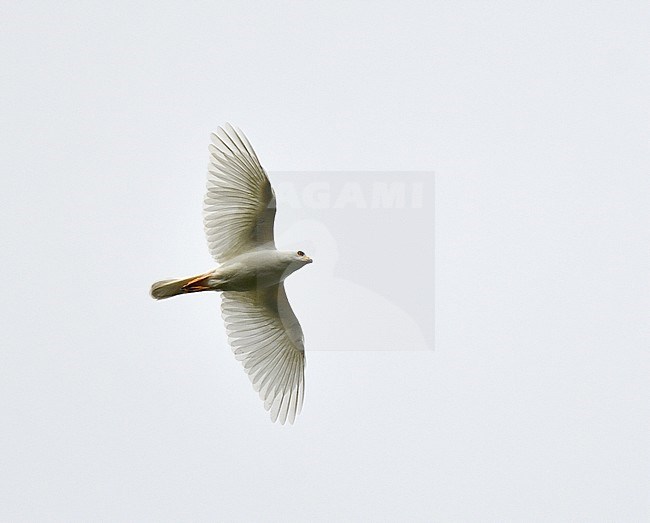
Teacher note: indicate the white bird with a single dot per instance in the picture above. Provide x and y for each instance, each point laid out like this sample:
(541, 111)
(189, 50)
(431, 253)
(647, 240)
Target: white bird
(263, 331)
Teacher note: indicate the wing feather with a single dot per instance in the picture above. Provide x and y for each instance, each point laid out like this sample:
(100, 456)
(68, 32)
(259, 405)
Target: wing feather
(239, 205)
(266, 337)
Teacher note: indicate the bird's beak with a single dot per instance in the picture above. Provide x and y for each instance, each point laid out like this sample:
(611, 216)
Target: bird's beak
(308, 259)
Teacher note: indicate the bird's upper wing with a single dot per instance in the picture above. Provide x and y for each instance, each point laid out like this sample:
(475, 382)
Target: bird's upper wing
(266, 336)
(239, 206)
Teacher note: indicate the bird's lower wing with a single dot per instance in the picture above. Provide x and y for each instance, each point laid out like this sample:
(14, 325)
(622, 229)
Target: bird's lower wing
(266, 337)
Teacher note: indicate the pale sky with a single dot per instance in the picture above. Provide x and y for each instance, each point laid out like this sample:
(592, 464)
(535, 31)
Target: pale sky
(534, 402)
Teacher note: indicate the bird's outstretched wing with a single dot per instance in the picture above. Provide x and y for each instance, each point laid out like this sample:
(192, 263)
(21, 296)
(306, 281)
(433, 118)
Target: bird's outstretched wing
(266, 337)
(239, 206)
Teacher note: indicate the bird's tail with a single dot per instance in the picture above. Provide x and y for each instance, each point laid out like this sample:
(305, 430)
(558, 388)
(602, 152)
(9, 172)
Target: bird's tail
(168, 288)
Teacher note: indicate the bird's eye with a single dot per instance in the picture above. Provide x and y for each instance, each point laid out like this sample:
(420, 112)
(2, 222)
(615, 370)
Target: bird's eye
(300, 253)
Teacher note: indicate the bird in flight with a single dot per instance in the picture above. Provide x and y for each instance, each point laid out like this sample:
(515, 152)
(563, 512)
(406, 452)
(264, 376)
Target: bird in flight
(263, 331)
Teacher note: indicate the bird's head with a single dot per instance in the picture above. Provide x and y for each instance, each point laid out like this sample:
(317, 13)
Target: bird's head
(302, 258)
(293, 260)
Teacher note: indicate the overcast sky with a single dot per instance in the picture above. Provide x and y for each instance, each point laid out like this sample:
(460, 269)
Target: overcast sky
(534, 403)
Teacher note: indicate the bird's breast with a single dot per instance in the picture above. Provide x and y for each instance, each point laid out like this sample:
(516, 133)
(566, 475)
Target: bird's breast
(249, 273)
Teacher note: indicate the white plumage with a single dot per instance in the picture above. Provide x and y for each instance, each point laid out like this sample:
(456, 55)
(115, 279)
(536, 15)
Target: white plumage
(263, 331)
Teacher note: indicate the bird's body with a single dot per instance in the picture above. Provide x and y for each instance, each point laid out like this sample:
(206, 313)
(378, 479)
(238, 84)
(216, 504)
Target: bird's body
(262, 329)
(249, 271)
